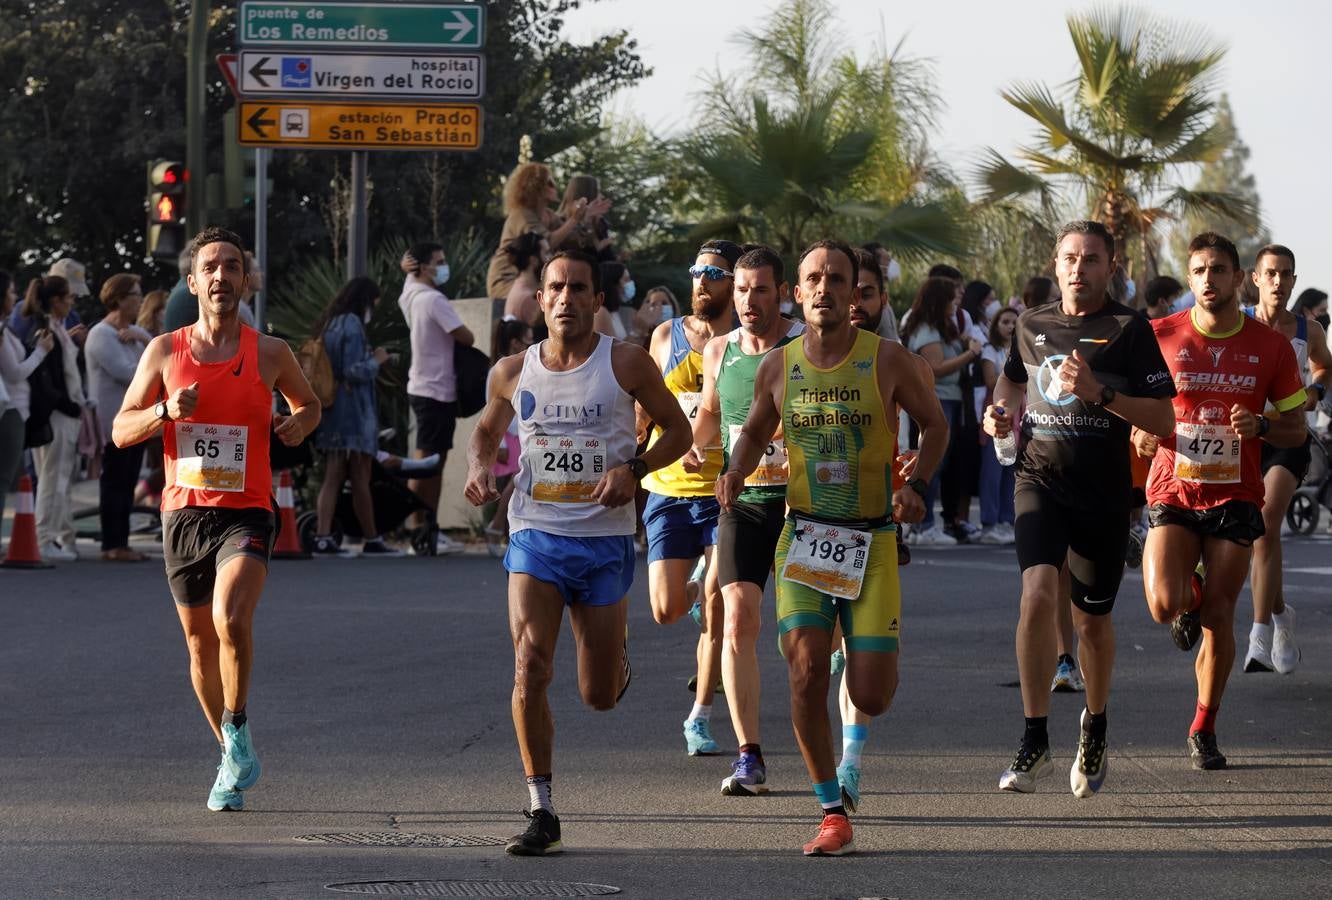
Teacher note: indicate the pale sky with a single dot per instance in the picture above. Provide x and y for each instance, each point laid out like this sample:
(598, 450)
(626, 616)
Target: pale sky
(1277, 87)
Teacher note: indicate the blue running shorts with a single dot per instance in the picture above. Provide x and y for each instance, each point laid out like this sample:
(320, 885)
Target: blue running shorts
(596, 571)
(679, 527)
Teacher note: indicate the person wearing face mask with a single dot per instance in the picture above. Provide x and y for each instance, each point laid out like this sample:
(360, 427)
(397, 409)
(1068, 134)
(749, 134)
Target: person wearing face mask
(348, 432)
(1312, 304)
(608, 320)
(432, 386)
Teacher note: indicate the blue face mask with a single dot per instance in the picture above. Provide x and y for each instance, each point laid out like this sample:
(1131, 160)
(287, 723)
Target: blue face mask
(629, 290)
(442, 274)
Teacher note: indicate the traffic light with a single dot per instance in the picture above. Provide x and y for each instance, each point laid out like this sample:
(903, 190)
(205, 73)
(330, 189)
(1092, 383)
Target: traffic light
(166, 208)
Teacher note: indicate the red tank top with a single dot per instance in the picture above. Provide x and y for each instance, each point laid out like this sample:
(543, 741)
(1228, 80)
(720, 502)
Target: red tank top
(218, 457)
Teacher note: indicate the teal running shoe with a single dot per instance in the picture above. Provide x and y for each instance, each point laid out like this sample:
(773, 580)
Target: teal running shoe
(837, 662)
(698, 738)
(848, 776)
(696, 613)
(223, 797)
(238, 760)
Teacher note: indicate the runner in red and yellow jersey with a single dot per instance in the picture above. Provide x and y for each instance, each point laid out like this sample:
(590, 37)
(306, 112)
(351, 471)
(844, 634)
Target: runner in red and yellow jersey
(207, 389)
(1205, 491)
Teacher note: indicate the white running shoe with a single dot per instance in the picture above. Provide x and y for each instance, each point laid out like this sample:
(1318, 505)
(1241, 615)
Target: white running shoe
(992, 534)
(447, 546)
(1009, 535)
(1259, 657)
(932, 536)
(1029, 765)
(1285, 652)
(53, 552)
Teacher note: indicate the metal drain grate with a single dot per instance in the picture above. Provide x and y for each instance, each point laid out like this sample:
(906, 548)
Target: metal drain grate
(401, 839)
(474, 888)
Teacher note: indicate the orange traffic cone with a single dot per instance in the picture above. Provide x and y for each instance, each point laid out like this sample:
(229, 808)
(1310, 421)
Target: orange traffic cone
(23, 553)
(289, 541)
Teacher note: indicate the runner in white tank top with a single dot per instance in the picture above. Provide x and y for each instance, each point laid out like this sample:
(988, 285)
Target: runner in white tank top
(572, 512)
(1272, 643)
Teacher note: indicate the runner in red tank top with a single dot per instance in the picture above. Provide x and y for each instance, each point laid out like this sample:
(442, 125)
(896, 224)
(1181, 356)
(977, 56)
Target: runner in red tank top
(208, 389)
(1205, 490)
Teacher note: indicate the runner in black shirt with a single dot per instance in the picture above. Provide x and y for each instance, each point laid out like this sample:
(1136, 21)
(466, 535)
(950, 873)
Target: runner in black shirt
(1088, 368)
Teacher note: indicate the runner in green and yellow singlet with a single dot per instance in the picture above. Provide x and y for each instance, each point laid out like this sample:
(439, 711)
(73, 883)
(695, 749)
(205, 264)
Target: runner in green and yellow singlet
(833, 392)
(747, 533)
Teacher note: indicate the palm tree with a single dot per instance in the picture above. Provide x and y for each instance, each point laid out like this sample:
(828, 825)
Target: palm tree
(1142, 105)
(815, 143)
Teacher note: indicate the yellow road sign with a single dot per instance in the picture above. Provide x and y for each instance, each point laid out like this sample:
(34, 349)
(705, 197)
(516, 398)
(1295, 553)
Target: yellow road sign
(360, 126)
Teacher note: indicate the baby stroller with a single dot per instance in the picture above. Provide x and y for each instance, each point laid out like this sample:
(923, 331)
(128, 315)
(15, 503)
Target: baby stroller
(394, 502)
(1314, 493)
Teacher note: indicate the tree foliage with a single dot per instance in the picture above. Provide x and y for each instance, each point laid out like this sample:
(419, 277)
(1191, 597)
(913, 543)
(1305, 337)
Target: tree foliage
(1142, 105)
(99, 89)
(813, 141)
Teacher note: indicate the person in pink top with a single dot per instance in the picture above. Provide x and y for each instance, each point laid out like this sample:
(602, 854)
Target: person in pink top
(432, 387)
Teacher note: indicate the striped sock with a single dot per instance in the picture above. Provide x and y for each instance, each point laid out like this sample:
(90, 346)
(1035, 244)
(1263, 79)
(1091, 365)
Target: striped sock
(830, 797)
(538, 788)
(853, 742)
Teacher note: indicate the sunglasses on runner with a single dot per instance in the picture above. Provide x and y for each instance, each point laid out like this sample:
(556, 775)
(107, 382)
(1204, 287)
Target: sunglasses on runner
(708, 273)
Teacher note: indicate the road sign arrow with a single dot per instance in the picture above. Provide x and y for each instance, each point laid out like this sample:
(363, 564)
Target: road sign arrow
(258, 72)
(461, 26)
(258, 122)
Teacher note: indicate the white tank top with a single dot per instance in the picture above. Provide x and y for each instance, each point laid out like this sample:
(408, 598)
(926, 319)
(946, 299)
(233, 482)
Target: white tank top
(573, 427)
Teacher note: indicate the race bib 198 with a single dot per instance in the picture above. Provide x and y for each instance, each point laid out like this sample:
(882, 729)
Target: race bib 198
(771, 471)
(1207, 454)
(565, 469)
(828, 558)
(211, 457)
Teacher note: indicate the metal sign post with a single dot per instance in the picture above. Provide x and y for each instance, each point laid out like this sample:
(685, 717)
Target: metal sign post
(261, 231)
(356, 216)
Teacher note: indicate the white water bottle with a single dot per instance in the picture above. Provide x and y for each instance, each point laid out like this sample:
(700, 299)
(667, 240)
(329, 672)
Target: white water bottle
(1005, 448)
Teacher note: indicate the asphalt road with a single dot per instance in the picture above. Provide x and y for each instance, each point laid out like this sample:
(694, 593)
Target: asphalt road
(381, 706)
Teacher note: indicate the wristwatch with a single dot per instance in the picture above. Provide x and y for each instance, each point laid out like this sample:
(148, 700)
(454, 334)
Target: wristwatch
(638, 467)
(1108, 395)
(160, 410)
(1264, 425)
(919, 485)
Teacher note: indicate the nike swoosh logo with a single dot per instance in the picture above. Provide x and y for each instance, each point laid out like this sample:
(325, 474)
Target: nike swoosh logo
(731, 362)
(240, 365)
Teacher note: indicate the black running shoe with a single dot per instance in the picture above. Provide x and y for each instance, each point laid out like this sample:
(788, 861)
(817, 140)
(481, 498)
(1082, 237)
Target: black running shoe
(542, 836)
(1186, 629)
(628, 669)
(1203, 752)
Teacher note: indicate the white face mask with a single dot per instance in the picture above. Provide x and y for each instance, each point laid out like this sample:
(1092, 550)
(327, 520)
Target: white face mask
(992, 308)
(369, 311)
(629, 290)
(1131, 290)
(442, 274)
(892, 271)
(786, 306)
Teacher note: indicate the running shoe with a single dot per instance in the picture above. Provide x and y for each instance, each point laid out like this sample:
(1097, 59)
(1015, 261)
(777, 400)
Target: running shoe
(378, 548)
(1186, 629)
(1285, 652)
(1067, 678)
(1259, 657)
(223, 797)
(628, 669)
(696, 613)
(238, 760)
(833, 839)
(848, 776)
(698, 738)
(991, 534)
(326, 546)
(930, 537)
(966, 531)
(749, 778)
(53, 552)
(837, 662)
(447, 546)
(1029, 765)
(1137, 541)
(1203, 752)
(692, 685)
(1090, 765)
(1006, 528)
(541, 838)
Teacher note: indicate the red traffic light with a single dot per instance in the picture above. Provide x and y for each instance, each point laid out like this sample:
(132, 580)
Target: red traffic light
(167, 175)
(165, 209)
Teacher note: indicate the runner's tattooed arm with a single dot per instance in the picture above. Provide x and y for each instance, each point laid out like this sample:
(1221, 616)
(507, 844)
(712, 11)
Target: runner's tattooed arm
(707, 424)
(489, 431)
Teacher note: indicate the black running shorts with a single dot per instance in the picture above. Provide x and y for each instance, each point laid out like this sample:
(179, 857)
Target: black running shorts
(747, 541)
(1094, 543)
(1238, 521)
(1293, 459)
(198, 541)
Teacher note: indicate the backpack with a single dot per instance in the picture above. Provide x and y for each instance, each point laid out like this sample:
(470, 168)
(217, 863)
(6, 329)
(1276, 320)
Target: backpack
(318, 370)
(470, 366)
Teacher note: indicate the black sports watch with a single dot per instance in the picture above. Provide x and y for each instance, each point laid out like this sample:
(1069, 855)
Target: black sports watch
(637, 466)
(160, 410)
(1108, 395)
(919, 485)
(1264, 425)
